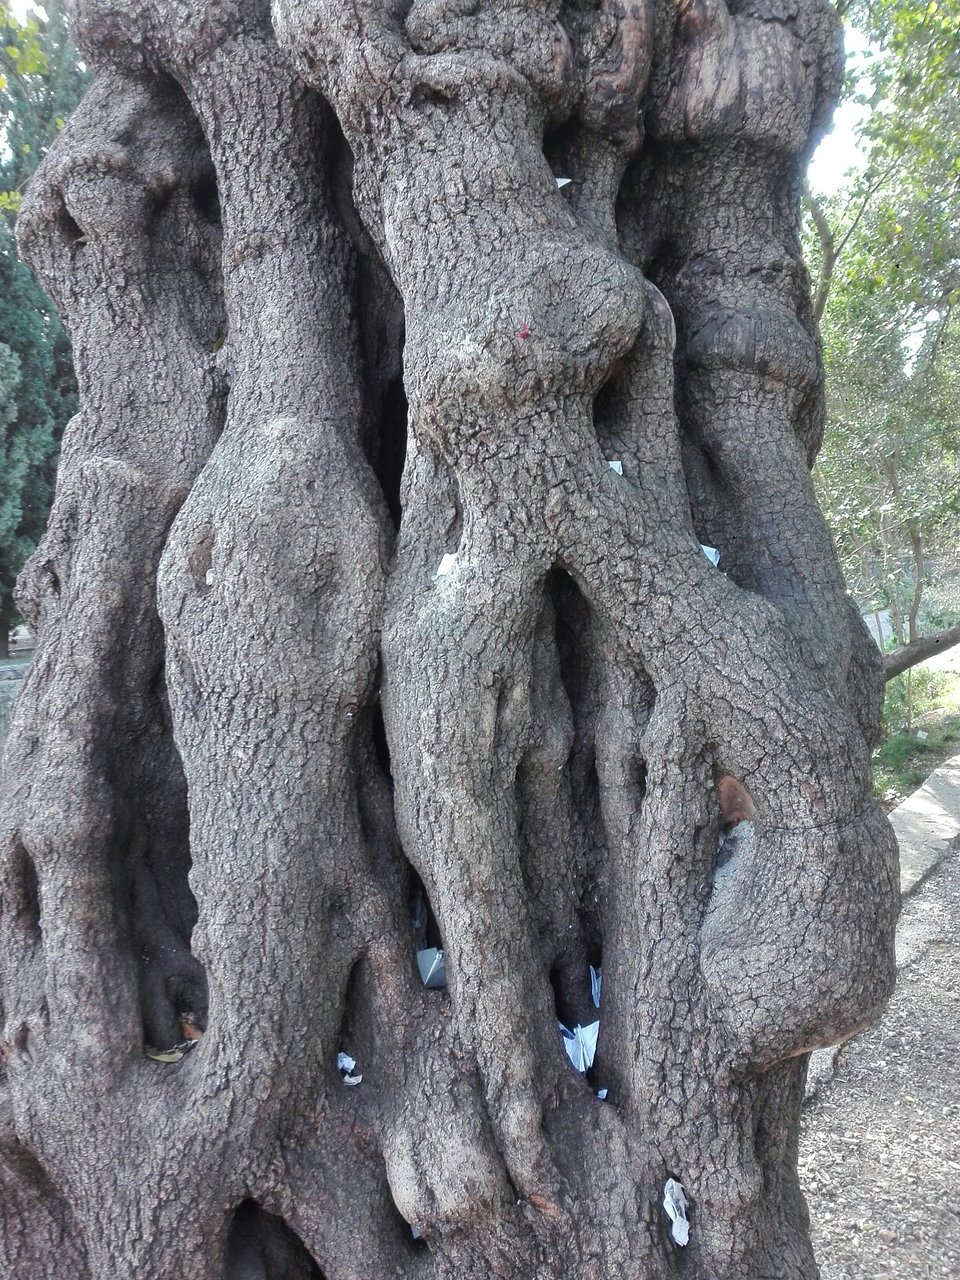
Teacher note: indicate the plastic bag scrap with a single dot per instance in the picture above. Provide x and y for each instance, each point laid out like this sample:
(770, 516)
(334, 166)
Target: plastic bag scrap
(192, 1031)
(174, 1054)
(712, 554)
(581, 1044)
(346, 1065)
(675, 1205)
(563, 182)
(615, 466)
(432, 968)
(447, 562)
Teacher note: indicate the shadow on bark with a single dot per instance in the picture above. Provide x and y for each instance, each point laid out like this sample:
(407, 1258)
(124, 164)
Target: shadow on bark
(261, 1246)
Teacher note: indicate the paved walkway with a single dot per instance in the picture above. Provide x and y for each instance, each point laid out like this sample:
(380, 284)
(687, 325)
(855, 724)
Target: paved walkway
(880, 1149)
(927, 824)
(880, 1152)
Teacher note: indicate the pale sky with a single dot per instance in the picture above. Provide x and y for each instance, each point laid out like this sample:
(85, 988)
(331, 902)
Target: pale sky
(839, 152)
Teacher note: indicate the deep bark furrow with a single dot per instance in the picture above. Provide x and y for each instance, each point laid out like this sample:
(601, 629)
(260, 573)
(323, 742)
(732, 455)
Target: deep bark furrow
(113, 226)
(483, 345)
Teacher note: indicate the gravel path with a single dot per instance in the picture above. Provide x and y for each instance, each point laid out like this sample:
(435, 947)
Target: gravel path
(880, 1152)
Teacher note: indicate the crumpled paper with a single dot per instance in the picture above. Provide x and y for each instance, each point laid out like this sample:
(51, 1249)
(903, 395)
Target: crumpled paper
(346, 1066)
(675, 1205)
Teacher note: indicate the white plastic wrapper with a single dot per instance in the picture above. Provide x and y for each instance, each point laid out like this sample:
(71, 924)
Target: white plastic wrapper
(615, 466)
(596, 982)
(446, 564)
(675, 1205)
(563, 182)
(432, 968)
(712, 554)
(346, 1066)
(581, 1044)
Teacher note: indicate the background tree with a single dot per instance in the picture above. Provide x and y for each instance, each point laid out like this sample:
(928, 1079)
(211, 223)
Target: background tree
(13, 455)
(41, 82)
(420, 347)
(887, 249)
(889, 472)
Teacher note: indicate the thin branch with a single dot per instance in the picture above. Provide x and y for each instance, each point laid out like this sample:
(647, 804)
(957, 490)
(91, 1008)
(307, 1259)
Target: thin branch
(828, 248)
(832, 248)
(908, 655)
(865, 202)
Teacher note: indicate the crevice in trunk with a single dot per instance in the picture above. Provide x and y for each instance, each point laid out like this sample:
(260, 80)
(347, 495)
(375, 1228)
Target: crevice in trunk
(206, 196)
(574, 621)
(391, 445)
(261, 1246)
(409, 1233)
(380, 329)
(356, 1036)
(172, 982)
(428, 945)
(200, 560)
(26, 890)
(151, 856)
(424, 921)
(577, 647)
(70, 228)
(558, 142)
(39, 1235)
(608, 409)
(381, 746)
(573, 1000)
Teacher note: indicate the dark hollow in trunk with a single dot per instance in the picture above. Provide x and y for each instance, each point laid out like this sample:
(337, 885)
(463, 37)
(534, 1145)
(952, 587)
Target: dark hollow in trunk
(384, 695)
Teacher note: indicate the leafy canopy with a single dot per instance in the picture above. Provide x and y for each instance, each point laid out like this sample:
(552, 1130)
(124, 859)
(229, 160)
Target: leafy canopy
(886, 250)
(41, 80)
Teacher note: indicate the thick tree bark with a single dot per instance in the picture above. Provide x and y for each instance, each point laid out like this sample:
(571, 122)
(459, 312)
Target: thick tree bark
(280, 693)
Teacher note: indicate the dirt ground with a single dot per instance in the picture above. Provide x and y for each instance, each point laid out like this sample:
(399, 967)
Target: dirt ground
(880, 1153)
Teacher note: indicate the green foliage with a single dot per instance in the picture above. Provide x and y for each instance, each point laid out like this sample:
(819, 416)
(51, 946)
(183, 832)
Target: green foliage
(914, 695)
(903, 762)
(918, 701)
(889, 472)
(41, 80)
(888, 252)
(941, 619)
(912, 245)
(13, 460)
(21, 54)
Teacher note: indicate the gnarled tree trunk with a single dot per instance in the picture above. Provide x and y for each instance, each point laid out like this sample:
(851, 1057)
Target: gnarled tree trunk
(421, 346)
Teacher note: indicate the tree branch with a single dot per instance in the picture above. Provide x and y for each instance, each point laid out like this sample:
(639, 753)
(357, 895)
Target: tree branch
(908, 655)
(828, 247)
(832, 248)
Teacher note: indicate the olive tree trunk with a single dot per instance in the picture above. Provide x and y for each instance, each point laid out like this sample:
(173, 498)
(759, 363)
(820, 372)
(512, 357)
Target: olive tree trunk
(422, 347)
